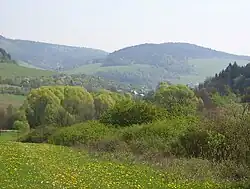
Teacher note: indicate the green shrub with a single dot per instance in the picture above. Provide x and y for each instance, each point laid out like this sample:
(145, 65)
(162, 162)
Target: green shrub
(225, 136)
(156, 137)
(83, 133)
(39, 134)
(229, 136)
(21, 126)
(179, 100)
(128, 112)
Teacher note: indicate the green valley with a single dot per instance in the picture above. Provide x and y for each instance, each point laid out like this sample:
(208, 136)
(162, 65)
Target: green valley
(124, 94)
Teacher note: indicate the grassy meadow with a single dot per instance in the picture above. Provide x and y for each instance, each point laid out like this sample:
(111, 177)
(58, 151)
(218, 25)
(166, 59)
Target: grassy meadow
(7, 99)
(44, 166)
(93, 68)
(206, 68)
(10, 70)
(48, 166)
(9, 136)
(27, 65)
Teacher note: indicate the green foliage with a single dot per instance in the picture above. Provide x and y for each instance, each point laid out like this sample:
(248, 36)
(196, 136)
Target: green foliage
(2, 117)
(136, 74)
(79, 134)
(21, 85)
(157, 141)
(40, 134)
(156, 137)
(177, 99)
(60, 105)
(207, 67)
(219, 100)
(7, 117)
(235, 77)
(225, 136)
(129, 112)
(21, 126)
(233, 130)
(104, 100)
(77, 101)
(102, 103)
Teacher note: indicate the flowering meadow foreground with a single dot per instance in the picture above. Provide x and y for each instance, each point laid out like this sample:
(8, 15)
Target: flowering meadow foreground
(48, 166)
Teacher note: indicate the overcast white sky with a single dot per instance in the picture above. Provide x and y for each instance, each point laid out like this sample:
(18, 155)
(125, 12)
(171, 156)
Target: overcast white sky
(114, 24)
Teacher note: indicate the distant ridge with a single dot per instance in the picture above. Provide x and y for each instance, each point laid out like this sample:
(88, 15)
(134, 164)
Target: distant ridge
(47, 43)
(181, 49)
(143, 64)
(50, 56)
(149, 63)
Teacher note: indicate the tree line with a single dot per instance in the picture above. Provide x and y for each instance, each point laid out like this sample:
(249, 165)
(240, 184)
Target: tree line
(22, 85)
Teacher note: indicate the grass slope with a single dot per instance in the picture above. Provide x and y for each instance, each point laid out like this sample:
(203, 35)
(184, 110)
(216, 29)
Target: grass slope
(10, 70)
(7, 99)
(49, 56)
(203, 68)
(27, 65)
(48, 166)
(93, 68)
(207, 68)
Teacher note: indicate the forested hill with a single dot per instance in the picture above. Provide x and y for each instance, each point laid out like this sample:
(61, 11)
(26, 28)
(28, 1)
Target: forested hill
(49, 56)
(165, 53)
(236, 77)
(147, 64)
(5, 58)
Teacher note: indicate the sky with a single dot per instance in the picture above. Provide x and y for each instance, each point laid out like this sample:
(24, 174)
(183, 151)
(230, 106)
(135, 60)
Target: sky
(114, 24)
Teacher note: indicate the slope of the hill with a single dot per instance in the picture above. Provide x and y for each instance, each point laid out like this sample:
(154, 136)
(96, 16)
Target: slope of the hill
(165, 54)
(147, 64)
(27, 65)
(12, 70)
(49, 56)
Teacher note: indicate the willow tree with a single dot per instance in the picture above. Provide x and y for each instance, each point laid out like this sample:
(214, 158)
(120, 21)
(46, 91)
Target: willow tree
(177, 99)
(61, 105)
